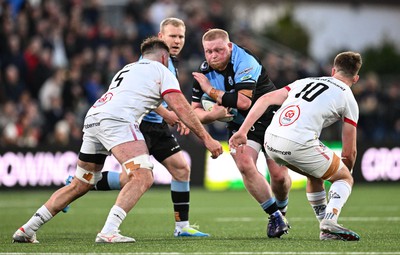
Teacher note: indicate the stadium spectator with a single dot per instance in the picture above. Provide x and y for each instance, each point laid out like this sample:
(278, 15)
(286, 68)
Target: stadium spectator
(40, 28)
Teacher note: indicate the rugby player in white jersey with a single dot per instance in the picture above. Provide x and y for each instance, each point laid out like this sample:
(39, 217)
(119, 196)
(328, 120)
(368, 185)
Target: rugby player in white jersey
(111, 126)
(292, 139)
(162, 144)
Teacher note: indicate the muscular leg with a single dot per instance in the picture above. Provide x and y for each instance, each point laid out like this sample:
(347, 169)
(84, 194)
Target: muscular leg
(140, 180)
(254, 181)
(257, 185)
(180, 189)
(58, 200)
(280, 184)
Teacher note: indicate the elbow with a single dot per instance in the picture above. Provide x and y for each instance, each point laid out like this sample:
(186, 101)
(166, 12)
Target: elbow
(244, 105)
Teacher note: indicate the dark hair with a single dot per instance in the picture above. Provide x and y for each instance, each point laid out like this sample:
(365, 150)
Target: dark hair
(153, 44)
(349, 63)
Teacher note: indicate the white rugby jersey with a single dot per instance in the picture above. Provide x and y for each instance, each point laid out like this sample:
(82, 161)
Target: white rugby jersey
(312, 104)
(135, 90)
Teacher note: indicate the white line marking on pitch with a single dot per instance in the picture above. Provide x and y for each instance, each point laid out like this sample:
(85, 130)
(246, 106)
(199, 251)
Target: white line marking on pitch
(224, 253)
(248, 219)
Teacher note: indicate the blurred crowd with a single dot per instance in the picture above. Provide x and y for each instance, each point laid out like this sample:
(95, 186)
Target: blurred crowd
(58, 57)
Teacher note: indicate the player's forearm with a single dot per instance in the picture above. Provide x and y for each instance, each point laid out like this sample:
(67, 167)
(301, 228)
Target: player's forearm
(204, 117)
(185, 113)
(349, 156)
(255, 113)
(349, 145)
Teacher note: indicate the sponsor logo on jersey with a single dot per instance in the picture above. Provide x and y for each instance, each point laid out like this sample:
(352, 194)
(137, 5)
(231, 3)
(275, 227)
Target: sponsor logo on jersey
(289, 115)
(278, 151)
(104, 99)
(246, 77)
(247, 70)
(96, 124)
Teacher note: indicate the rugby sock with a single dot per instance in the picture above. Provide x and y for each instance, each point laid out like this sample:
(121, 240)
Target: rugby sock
(269, 206)
(114, 219)
(41, 216)
(180, 195)
(317, 201)
(282, 205)
(109, 181)
(338, 195)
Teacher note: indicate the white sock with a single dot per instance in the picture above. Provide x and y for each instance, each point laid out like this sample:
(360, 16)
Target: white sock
(338, 195)
(41, 216)
(181, 224)
(114, 219)
(318, 203)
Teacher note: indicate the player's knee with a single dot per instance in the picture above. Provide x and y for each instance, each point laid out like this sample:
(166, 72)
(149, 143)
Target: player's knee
(181, 174)
(138, 162)
(142, 178)
(245, 165)
(349, 179)
(87, 176)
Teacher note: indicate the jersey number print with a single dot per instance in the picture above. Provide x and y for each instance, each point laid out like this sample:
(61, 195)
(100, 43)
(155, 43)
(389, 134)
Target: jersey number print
(119, 79)
(311, 91)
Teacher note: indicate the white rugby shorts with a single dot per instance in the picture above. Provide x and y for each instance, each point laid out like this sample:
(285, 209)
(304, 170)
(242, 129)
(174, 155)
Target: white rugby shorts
(102, 132)
(315, 159)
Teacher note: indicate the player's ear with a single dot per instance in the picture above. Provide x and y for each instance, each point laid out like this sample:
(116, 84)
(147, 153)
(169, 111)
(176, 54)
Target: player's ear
(333, 71)
(355, 78)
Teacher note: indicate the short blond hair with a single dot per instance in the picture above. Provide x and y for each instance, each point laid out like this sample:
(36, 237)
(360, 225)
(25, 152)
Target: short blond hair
(348, 63)
(171, 21)
(215, 33)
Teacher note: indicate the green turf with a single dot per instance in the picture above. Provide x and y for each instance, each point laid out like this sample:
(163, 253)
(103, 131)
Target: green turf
(235, 221)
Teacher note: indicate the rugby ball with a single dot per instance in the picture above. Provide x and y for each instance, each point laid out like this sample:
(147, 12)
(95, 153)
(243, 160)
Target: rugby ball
(208, 104)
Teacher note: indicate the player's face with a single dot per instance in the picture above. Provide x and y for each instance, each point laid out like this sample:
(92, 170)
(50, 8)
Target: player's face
(217, 53)
(174, 37)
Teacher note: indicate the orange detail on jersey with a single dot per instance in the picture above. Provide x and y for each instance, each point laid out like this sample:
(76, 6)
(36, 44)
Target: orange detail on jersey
(88, 176)
(246, 92)
(335, 211)
(132, 166)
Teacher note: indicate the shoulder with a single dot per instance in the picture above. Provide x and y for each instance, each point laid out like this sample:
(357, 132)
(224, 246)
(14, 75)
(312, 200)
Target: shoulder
(241, 55)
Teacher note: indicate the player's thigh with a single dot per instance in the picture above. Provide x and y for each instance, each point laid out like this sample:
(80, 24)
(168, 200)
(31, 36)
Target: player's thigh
(122, 138)
(128, 150)
(313, 159)
(246, 159)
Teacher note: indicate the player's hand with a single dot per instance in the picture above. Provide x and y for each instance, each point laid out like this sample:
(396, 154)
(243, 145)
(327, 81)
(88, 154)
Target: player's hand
(171, 118)
(214, 147)
(237, 140)
(202, 80)
(218, 111)
(182, 128)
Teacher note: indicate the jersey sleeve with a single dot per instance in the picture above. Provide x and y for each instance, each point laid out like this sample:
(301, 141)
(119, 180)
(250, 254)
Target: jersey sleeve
(246, 67)
(351, 112)
(168, 81)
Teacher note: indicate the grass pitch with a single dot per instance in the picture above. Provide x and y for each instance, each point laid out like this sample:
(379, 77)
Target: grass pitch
(235, 221)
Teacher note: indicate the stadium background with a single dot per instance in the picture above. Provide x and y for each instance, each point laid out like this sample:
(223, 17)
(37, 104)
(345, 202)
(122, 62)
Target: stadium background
(56, 57)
